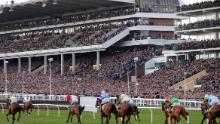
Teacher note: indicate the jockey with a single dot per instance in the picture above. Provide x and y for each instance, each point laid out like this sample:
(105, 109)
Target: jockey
(26, 99)
(104, 97)
(13, 100)
(211, 99)
(74, 100)
(124, 98)
(172, 101)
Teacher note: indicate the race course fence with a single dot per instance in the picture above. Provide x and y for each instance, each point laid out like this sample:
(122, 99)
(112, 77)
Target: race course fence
(89, 101)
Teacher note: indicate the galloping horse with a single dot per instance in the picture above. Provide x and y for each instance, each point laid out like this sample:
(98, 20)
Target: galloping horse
(126, 110)
(77, 110)
(106, 110)
(210, 114)
(166, 113)
(175, 113)
(12, 110)
(204, 109)
(28, 107)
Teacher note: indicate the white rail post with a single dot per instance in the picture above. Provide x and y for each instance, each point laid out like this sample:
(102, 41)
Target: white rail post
(3, 110)
(47, 110)
(151, 115)
(38, 110)
(58, 108)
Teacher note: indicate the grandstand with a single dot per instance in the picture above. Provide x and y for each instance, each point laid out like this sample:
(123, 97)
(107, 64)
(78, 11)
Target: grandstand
(93, 44)
(201, 32)
(147, 48)
(83, 46)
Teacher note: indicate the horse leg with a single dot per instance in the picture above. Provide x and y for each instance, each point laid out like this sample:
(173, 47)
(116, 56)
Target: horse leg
(116, 119)
(68, 117)
(203, 119)
(71, 117)
(171, 120)
(123, 119)
(128, 119)
(101, 119)
(7, 116)
(19, 115)
(107, 119)
(78, 117)
(30, 110)
(166, 120)
(13, 118)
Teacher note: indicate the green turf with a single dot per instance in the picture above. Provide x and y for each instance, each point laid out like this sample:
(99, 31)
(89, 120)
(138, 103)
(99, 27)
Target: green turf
(158, 118)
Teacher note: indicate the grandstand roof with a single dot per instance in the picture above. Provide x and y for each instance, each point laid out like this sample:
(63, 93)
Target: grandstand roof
(35, 9)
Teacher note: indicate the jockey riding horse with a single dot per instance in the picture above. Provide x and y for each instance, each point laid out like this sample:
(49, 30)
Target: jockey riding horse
(126, 107)
(13, 108)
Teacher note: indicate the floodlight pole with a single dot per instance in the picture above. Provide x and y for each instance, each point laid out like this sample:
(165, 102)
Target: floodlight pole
(6, 76)
(184, 86)
(136, 85)
(50, 75)
(128, 81)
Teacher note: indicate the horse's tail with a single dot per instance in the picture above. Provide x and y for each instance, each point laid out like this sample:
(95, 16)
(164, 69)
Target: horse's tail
(136, 109)
(185, 114)
(183, 111)
(114, 109)
(136, 112)
(81, 108)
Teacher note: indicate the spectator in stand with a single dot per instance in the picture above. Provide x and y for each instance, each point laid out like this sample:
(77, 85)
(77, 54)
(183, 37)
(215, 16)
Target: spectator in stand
(194, 45)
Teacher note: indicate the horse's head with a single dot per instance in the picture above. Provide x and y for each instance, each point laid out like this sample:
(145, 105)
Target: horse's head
(165, 106)
(98, 102)
(204, 107)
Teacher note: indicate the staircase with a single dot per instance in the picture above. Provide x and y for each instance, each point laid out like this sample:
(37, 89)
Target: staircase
(116, 38)
(150, 65)
(70, 41)
(38, 69)
(188, 84)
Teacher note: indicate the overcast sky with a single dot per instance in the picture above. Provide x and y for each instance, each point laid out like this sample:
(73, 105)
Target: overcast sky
(17, 1)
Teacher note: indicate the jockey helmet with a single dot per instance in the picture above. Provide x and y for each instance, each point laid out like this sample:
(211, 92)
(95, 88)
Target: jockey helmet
(167, 98)
(103, 92)
(206, 97)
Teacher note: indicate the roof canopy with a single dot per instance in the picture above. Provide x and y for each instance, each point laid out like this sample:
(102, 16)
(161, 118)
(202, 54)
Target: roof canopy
(34, 9)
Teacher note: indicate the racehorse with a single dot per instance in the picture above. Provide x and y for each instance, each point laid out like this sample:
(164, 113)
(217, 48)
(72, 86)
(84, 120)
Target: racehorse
(166, 113)
(210, 114)
(12, 110)
(126, 110)
(106, 110)
(28, 107)
(75, 110)
(175, 113)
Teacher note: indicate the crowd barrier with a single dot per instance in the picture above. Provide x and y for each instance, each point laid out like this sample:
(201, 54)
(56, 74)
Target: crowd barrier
(141, 102)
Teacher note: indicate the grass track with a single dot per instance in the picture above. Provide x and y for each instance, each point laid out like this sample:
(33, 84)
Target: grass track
(158, 118)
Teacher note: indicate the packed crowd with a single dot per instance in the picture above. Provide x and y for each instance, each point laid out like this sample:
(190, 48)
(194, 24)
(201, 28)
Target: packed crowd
(82, 36)
(210, 83)
(200, 24)
(173, 73)
(112, 63)
(199, 5)
(71, 18)
(193, 45)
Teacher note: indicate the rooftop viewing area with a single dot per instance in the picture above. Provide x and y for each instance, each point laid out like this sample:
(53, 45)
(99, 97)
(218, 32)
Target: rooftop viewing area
(199, 5)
